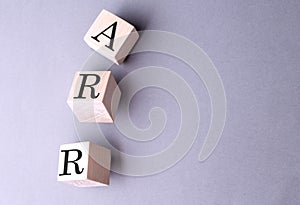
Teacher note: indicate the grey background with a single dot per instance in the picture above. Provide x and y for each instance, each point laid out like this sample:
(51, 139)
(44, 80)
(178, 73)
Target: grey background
(255, 47)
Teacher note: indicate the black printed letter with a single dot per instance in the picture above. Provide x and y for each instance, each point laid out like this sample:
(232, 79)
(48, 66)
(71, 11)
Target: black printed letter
(111, 37)
(83, 84)
(74, 162)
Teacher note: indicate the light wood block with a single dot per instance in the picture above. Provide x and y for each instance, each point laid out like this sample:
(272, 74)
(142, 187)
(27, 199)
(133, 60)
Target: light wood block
(84, 164)
(111, 36)
(94, 96)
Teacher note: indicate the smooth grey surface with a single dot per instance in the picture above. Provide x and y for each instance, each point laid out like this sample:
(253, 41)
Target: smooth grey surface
(255, 46)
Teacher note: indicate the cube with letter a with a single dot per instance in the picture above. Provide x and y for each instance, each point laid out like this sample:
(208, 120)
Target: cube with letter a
(111, 36)
(94, 96)
(84, 164)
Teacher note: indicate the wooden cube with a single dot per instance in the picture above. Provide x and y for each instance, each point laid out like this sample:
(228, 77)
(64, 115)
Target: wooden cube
(84, 164)
(111, 36)
(94, 96)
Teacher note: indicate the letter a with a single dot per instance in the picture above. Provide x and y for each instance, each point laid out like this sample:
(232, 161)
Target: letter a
(111, 37)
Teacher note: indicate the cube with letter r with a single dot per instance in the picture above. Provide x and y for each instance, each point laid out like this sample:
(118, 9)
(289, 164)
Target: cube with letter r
(94, 96)
(84, 164)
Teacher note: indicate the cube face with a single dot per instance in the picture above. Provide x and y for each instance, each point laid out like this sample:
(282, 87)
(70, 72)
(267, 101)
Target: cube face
(84, 164)
(76, 171)
(111, 36)
(94, 96)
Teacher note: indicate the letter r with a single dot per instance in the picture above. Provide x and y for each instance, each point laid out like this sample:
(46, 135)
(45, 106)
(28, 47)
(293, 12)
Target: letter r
(83, 85)
(67, 161)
